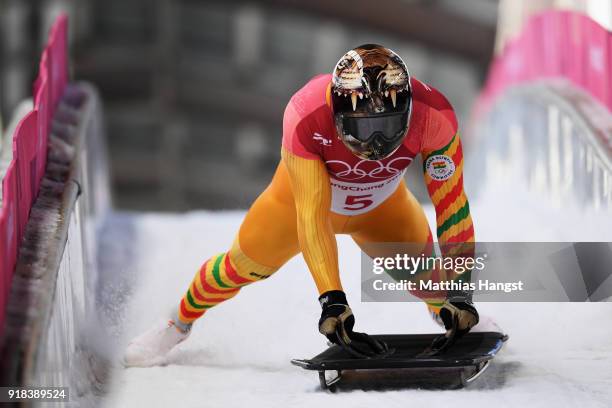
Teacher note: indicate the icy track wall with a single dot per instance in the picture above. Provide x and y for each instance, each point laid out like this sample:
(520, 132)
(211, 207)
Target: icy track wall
(544, 116)
(50, 302)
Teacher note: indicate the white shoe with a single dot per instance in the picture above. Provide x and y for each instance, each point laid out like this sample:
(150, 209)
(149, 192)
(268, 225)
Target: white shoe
(151, 347)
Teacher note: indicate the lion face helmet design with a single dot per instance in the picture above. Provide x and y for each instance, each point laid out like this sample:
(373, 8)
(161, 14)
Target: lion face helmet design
(371, 99)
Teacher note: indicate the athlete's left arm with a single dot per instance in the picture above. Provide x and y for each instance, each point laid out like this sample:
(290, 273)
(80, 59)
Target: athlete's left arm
(443, 171)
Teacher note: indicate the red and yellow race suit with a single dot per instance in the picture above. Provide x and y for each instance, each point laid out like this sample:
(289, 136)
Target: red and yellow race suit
(321, 189)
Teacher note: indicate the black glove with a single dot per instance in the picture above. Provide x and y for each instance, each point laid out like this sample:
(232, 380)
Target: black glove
(459, 316)
(337, 322)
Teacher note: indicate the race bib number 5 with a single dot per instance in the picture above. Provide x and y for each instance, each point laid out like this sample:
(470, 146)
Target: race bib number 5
(358, 202)
(358, 198)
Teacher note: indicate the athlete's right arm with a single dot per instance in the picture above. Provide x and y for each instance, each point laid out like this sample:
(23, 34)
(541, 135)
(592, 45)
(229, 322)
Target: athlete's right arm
(312, 193)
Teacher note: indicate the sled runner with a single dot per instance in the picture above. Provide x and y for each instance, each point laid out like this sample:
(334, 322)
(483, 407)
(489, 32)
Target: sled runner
(404, 366)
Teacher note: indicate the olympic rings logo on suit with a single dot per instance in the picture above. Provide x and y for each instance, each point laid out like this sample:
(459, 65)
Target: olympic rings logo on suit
(381, 171)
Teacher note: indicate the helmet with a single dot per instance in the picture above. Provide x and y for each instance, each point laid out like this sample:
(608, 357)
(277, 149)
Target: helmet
(371, 99)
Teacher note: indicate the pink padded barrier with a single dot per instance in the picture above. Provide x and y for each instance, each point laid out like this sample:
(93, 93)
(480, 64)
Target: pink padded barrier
(21, 182)
(555, 44)
(609, 103)
(597, 71)
(552, 31)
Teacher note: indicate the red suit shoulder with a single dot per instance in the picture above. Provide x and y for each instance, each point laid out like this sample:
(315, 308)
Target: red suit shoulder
(306, 117)
(440, 122)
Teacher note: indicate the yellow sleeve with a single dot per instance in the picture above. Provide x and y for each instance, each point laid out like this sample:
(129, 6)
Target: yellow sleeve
(312, 193)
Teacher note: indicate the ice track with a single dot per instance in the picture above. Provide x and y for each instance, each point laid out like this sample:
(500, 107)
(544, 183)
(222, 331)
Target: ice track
(559, 355)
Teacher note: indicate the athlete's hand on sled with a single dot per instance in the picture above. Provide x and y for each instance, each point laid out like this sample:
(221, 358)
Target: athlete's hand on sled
(459, 316)
(337, 322)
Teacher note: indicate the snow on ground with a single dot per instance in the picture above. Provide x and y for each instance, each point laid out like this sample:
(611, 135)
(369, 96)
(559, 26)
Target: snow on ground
(558, 355)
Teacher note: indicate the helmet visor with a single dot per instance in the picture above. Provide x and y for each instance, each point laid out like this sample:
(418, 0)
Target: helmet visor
(373, 137)
(390, 127)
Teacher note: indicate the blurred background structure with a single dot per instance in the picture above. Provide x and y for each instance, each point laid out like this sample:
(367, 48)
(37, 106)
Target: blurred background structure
(194, 91)
(194, 94)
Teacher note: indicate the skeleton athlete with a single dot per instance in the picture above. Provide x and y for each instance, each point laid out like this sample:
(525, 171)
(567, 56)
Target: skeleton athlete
(347, 140)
